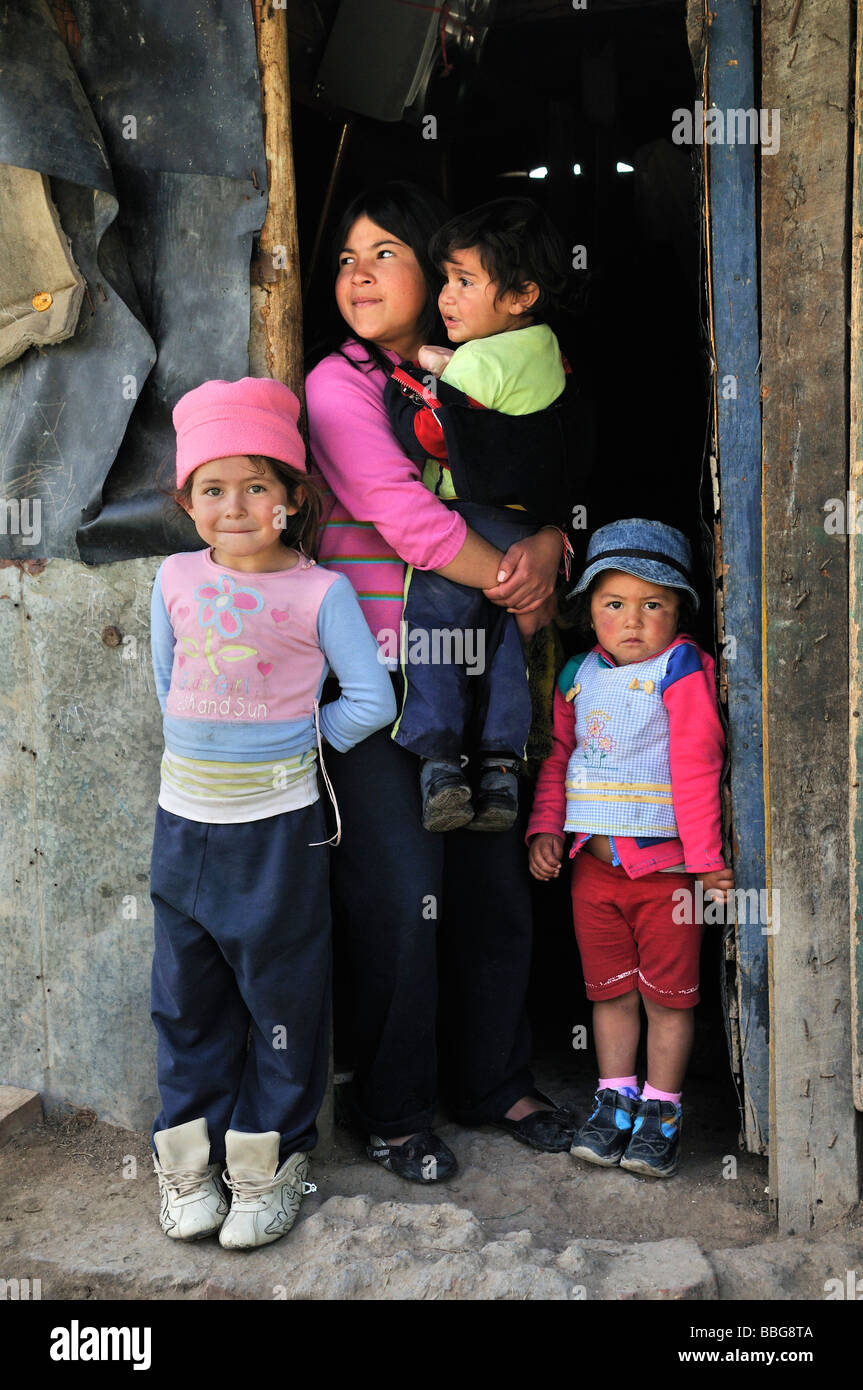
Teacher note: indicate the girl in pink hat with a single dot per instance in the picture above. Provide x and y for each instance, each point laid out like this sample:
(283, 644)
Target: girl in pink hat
(244, 632)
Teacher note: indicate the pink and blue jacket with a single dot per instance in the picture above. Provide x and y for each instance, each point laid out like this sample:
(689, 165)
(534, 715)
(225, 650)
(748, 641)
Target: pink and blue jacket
(696, 754)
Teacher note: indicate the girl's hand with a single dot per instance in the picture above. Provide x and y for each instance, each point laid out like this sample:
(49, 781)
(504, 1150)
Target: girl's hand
(528, 572)
(434, 359)
(544, 855)
(717, 884)
(529, 623)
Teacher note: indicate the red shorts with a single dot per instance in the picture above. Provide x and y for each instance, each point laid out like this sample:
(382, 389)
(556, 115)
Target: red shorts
(627, 937)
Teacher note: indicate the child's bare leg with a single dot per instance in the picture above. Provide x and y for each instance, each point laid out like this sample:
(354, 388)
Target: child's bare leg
(669, 1043)
(605, 1134)
(616, 1030)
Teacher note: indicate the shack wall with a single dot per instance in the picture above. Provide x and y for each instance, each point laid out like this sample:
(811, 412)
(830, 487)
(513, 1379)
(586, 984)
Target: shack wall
(79, 770)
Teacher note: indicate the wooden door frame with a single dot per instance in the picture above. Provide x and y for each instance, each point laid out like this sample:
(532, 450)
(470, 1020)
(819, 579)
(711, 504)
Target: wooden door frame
(807, 69)
(732, 275)
(855, 593)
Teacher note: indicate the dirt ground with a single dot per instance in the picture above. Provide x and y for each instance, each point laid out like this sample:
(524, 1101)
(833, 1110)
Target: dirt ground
(79, 1211)
(69, 1194)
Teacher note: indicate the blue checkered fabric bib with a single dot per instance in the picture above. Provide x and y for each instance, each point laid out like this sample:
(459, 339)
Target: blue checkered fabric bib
(618, 780)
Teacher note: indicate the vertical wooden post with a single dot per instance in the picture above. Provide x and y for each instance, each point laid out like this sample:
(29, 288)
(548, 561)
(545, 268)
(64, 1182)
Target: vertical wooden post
(276, 336)
(730, 175)
(806, 52)
(855, 597)
(277, 347)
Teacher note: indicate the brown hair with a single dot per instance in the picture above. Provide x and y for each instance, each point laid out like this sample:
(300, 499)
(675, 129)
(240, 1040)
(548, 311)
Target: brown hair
(300, 530)
(517, 243)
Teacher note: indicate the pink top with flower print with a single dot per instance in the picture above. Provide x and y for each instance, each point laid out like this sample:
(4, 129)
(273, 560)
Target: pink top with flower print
(240, 659)
(246, 645)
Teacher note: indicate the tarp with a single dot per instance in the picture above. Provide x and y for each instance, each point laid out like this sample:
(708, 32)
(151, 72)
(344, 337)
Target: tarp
(41, 288)
(146, 120)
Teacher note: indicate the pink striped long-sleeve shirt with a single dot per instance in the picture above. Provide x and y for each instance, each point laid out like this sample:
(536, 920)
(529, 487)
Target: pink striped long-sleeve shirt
(381, 516)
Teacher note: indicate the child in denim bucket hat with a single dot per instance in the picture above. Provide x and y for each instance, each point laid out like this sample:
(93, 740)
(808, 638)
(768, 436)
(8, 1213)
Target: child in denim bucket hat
(634, 776)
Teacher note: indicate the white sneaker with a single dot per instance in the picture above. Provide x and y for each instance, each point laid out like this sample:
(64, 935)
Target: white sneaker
(194, 1203)
(266, 1198)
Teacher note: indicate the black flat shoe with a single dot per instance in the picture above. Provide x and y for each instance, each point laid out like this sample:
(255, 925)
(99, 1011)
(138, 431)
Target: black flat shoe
(551, 1131)
(422, 1158)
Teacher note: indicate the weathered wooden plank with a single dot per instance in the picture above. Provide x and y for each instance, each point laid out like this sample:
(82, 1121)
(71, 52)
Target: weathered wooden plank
(806, 55)
(281, 313)
(734, 316)
(855, 594)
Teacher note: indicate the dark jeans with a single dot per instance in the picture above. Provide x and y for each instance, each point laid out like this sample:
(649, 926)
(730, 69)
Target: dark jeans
(242, 937)
(399, 893)
(453, 705)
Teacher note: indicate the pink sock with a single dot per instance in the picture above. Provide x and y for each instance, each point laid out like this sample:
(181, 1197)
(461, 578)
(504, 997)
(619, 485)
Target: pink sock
(627, 1084)
(651, 1093)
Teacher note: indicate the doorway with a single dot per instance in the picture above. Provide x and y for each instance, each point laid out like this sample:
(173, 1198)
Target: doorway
(574, 108)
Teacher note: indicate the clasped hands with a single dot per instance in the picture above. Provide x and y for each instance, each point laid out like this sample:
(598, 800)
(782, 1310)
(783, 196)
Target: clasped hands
(526, 580)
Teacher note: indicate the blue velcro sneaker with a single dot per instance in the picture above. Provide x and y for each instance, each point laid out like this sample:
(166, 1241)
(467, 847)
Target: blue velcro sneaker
(604, 1136)
(654, 1149)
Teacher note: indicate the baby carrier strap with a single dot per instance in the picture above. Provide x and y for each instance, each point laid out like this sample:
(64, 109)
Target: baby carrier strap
(541, 461)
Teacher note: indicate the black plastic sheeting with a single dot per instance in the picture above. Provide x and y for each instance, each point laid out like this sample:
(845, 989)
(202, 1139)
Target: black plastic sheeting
(160, 226)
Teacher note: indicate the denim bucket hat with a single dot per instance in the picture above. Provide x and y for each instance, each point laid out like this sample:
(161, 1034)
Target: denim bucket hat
(646, 549)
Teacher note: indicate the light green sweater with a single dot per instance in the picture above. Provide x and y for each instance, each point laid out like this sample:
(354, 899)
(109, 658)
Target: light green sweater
(516, 373)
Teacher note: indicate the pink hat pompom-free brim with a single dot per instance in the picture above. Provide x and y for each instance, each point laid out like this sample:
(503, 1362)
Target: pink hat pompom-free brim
(223, 419)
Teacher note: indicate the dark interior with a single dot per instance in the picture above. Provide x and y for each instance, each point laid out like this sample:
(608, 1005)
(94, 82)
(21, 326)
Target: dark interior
(553, 88)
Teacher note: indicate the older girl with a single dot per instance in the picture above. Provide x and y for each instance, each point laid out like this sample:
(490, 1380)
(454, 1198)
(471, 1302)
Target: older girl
(428, 919)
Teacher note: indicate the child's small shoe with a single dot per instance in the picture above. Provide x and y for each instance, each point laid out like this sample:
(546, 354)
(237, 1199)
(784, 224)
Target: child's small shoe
(496, 801)
(604, 1136)
(446, 796)
(266, 1197)
(193, 1202)
(654, 1149)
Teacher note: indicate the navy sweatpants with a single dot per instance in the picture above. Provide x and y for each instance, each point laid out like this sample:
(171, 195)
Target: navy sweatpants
(242, 940)
(453, 705)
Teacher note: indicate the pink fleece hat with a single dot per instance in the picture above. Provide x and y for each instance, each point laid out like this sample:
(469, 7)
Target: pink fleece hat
(220, 419)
